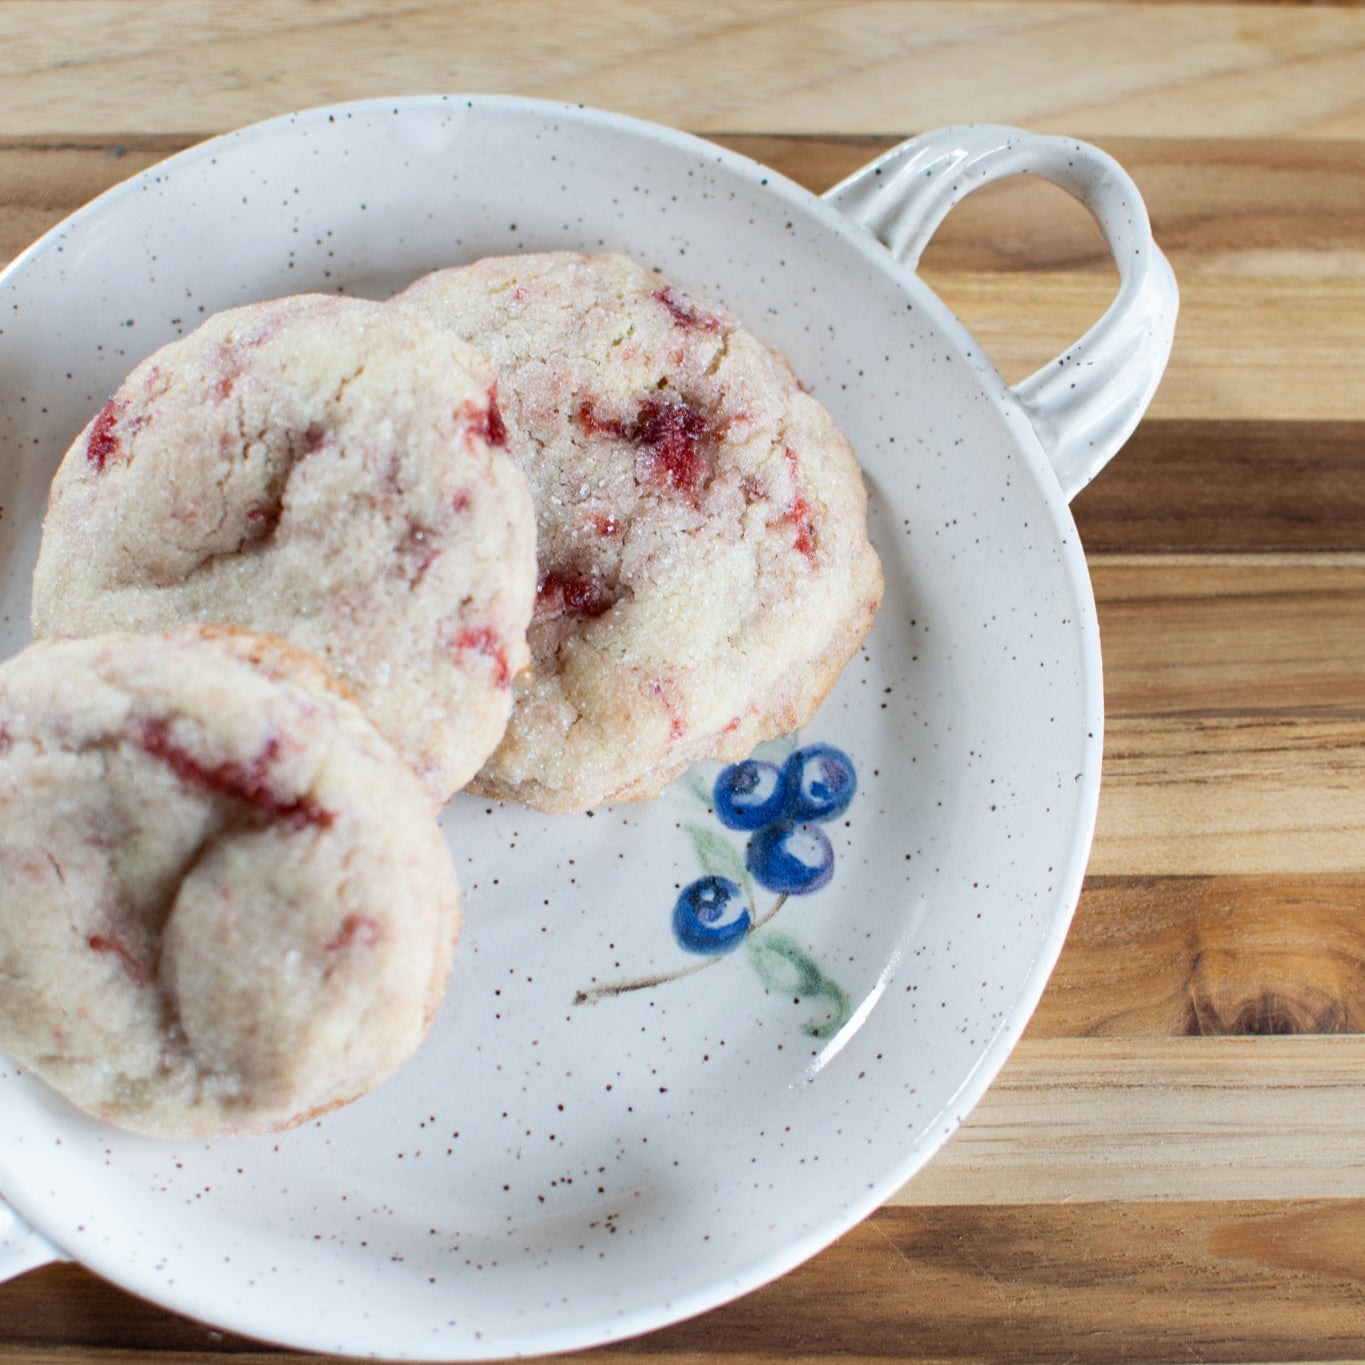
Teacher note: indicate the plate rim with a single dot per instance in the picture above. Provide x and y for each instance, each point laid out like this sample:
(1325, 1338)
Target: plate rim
(1062, 902)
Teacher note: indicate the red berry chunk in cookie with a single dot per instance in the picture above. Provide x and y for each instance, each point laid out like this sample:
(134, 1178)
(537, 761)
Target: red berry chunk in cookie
(103, 446)
(249, 783)
(705, 571)
(327, 469)
(684, 312)
(234, 908)
(569, 594)
(669, 437)
(487, 641)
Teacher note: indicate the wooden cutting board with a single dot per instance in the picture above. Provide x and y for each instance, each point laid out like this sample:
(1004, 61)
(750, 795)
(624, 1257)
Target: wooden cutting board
(1172, 1164)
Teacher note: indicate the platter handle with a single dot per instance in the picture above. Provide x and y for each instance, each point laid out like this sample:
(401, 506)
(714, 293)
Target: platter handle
(1084, 403)
(21, 1248)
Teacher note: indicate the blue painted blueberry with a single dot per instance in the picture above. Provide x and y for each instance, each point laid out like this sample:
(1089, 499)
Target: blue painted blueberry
(710, 916)
(790, 856)
(819, 781)
(750, 794)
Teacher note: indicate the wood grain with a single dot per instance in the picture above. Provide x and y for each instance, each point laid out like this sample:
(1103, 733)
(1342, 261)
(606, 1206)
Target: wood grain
(1232, 638)
(1229, 794)
(1212, 956)
(865, 66)
(1234, 695)
(1232, 486)
(67, 1305)
(1287, 350)
(1098, 1284)
(1140, 1119)
(1094, 1283)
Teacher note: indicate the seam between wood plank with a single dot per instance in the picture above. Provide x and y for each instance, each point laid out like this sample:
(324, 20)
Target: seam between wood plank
(1204, 559)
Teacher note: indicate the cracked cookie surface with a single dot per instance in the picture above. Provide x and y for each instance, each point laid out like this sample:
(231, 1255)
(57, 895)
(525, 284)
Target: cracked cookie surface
(704, 567)
(225, 903)
(323, 469)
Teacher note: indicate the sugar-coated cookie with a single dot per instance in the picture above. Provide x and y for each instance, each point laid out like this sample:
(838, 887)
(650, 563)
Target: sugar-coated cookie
(704, 566)
(225, 903)
(324, 469)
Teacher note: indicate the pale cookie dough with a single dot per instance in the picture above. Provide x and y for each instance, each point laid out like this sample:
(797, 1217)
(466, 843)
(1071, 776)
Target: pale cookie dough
(705, 571)
(225, 903)
(319, 468)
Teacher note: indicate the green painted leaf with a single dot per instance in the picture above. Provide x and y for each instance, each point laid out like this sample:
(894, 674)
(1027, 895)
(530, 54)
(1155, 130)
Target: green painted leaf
(835, 1015)
(783, 965)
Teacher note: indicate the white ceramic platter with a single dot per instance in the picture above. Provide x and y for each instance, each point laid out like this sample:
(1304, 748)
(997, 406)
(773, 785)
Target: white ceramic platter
(567, 1162)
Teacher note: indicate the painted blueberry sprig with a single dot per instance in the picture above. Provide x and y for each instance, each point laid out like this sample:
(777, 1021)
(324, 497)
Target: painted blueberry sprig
(782, 807)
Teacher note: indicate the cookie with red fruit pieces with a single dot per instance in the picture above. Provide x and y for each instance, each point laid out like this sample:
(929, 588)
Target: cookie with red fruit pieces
(226, 905)
(704, 566)
(320, 468)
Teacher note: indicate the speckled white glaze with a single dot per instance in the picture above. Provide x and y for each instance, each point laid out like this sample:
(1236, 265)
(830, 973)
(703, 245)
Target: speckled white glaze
(549, 1174)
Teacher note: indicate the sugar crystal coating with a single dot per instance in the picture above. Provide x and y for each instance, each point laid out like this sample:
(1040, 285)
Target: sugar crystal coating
(319, 468)
(704, 566)
(225, 902)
